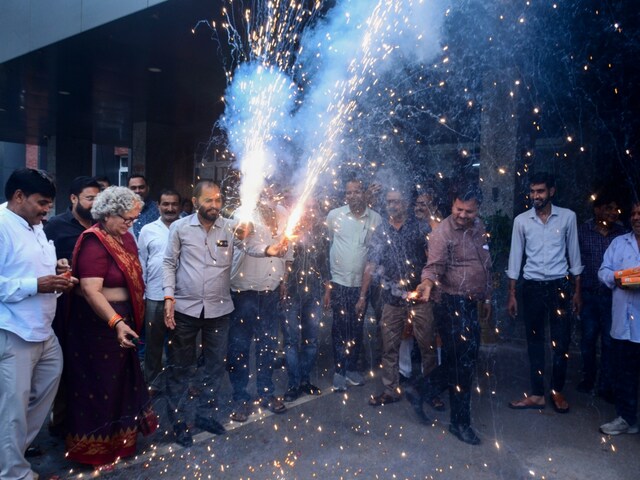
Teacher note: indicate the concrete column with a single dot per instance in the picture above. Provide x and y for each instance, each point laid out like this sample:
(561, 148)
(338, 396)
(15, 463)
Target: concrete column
(498, 145)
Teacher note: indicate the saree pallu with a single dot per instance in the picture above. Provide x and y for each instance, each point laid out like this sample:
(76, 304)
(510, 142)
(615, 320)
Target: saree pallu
(107, 397)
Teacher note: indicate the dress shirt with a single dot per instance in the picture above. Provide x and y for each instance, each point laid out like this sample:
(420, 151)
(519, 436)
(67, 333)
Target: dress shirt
(197, 265)
(148, 214)
(459, 261)
(546, 246)
(401, 256)
(349, 238)
(261, 274)
(64, 231)
(592, 247)
(623, 253)
(152, 244)
(25, 255)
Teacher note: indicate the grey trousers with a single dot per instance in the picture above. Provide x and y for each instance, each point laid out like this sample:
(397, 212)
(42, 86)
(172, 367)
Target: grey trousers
(155, 335)
(29, 377)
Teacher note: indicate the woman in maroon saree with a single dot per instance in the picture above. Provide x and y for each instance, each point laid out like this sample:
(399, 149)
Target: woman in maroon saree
(107, 400)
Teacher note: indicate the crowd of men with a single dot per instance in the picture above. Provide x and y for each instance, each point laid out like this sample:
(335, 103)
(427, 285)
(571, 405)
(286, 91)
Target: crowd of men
(233, 284)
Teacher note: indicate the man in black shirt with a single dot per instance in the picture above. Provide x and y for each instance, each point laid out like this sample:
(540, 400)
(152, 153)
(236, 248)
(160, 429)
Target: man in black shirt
(397, 254)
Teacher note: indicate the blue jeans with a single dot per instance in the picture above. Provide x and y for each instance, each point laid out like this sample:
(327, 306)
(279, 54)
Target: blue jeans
(300, 331)
(541, 301)
(347, 328)
(596, 321)
(256, 317)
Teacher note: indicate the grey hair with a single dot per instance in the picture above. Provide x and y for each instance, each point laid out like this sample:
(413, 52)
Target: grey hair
(114, 201)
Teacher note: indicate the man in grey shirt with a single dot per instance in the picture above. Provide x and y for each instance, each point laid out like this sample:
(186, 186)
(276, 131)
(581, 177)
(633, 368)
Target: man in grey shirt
(547, 235)
(197, 270)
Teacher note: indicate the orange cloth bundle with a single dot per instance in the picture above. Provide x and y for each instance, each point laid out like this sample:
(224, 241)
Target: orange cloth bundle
(628, 273)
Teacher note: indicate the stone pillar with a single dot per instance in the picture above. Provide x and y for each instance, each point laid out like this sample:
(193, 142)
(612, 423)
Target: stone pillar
(498, 144)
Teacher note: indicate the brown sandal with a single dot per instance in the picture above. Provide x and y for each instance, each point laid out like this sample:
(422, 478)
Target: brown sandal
(273, 404)
(525, 403)
(382, 399)
(242, 413)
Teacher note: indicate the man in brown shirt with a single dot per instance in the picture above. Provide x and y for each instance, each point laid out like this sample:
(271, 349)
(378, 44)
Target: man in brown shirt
(458, 277)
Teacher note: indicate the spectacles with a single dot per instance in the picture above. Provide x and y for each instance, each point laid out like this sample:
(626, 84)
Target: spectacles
(127, 221)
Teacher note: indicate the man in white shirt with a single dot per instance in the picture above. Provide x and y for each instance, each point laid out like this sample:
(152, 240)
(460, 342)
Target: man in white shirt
(30, 356)
(547, 235)
(152, 244)
(350, 229)
(256, 290)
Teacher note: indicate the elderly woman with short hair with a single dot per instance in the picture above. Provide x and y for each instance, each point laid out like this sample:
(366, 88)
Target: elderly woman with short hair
(107, 398)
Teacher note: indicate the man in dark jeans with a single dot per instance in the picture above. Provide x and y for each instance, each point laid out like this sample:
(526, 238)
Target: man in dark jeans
(595, 236)
(547, 235)
(459, 273)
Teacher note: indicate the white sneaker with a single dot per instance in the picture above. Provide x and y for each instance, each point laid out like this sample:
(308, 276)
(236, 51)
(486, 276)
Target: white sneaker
(339, 383)
(354, 378)
(618, 426)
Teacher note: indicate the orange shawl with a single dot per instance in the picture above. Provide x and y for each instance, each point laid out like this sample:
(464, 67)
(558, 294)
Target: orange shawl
(127, 262)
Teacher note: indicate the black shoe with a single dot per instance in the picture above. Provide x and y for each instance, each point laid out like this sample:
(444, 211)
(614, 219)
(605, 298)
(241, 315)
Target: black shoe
(309, 389)
(404, 380)
(210, 425)
(182, 435)
(292, 394)
(415, 399)
(585, 387)
(466, 434)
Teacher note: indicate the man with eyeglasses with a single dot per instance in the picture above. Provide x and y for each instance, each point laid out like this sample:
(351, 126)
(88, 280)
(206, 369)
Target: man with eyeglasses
(197, 298)
(138, 184)
(63, 230)
(396, 255)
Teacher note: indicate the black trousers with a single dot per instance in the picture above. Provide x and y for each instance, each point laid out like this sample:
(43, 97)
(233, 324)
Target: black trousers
(457, 320)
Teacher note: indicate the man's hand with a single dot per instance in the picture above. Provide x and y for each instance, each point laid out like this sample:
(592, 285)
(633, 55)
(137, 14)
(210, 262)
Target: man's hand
(56, 283)
(326, 300)
(62, 266)
(512, 305)
(361, 306)
(485, 312)
(169, 319)
(576, 302)
(424, 291)
(278, 249)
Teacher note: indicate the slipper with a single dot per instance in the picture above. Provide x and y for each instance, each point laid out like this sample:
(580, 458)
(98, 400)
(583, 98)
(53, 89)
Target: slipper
(242, 413)
(382, 399)
(559, 403)
(273, 404)
(524, 404)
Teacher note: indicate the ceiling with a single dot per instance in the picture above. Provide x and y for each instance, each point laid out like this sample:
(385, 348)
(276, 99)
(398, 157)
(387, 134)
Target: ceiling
(97, 84)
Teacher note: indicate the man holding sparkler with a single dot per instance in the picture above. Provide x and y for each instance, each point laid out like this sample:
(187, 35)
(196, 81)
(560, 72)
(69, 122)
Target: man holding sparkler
(197, 298)
(459, 273)
(398, 253)
(350, 229)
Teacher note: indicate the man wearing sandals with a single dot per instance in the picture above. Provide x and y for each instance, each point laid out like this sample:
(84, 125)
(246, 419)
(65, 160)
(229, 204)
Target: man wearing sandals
(547, 235)
(459, 273)
(397, 254)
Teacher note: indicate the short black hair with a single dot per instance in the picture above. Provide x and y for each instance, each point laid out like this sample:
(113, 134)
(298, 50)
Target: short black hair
(78, 184)
(465, 192)
(197, 190)
(169, 191)
(102, 178)
(545, 178)
(136, 175)
(605, 198)
(30, 181)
